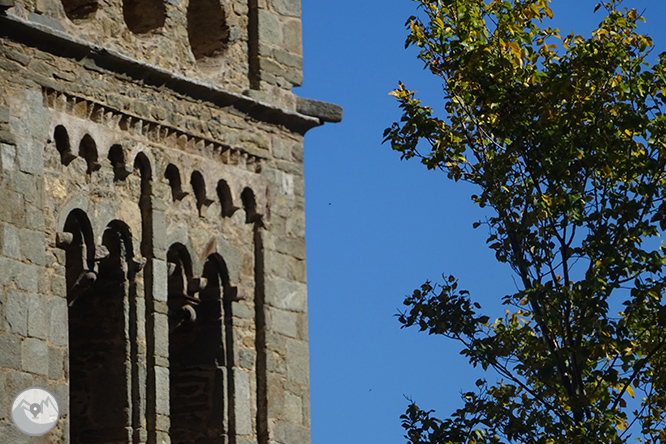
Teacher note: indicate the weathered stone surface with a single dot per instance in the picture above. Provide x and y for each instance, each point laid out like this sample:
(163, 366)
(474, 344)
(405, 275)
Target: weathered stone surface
(11, 351)
(38, 323)
(287, 7)
(35, 356)
(286, 432)
(56, 363)
(7, 156)
(57, 313)
(162, 390)
(33, 246)
(10, 241)
(284, 322)
(297, 362)
(16, 313)
(243, 402)
(327, 112)
(285, 294)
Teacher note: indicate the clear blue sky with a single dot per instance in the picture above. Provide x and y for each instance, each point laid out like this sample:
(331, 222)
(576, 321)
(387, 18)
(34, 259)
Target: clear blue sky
(378, 227)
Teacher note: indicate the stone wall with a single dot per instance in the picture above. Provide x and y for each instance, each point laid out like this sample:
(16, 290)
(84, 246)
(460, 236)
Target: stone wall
(152, 254)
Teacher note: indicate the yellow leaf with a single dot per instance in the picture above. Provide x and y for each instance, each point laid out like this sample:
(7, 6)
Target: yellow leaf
(630, 391)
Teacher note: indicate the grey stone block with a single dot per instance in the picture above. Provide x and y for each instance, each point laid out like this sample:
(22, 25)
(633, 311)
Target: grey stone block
(26, 184)
(33, 246)
(287, 433)
(298, 370)
(243, 402)
(10, 434)
(285, 294)
(10, 355)
(246, 359)
(56, 364)
(327, 112)
(35, 356)
(283, 322)
(10, 241)
(290, 8)
(161, 335)
(293, 246)
(292, 35)
(35, 218)
(293, 408)
(7, 156)
(38, 325)
(25, 276)
(162, 390)
(57, 314)
(30, 156)
(61, 393)
(160, 275)
(17, 381)
(269, 27)
(58, 285)
(16, 313)
(280, 148)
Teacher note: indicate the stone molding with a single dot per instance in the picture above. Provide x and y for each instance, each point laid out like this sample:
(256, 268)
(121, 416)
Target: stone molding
(155, 132)
(60, 43)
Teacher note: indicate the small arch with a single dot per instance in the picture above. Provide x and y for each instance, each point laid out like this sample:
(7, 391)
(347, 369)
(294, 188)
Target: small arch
(172, 174)
(250, 206)
(143, 16)
(180, 273)
(88, 150)
(80, 253)
(63, 145)
(142, 164)
(199, 188)
(226, 200)
(117, 158)
(79, 9)
(207, 28)
(117, 239)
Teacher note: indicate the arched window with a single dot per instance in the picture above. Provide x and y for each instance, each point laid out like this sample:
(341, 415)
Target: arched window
(172, 174)
(62, 145)
(250, 206)
(199, 188)
(207, 29)
(79, 9)
(143, 16)
(226, 201)
(88, 150)
(117, 158)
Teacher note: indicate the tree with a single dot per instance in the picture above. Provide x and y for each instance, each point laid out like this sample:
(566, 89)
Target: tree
(565, 139)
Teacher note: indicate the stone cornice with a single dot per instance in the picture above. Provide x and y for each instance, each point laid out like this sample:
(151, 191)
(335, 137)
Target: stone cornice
(60, 43)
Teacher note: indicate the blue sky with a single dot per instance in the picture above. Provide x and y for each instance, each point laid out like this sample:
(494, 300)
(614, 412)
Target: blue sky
(378, 227)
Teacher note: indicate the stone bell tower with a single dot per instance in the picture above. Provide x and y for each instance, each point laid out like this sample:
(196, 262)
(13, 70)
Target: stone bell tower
(152, 255)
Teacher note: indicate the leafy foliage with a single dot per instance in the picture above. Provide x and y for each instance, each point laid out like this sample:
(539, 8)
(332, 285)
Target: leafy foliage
(565, 138)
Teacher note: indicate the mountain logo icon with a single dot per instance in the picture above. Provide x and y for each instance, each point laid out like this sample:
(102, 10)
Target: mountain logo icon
(35, 411)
